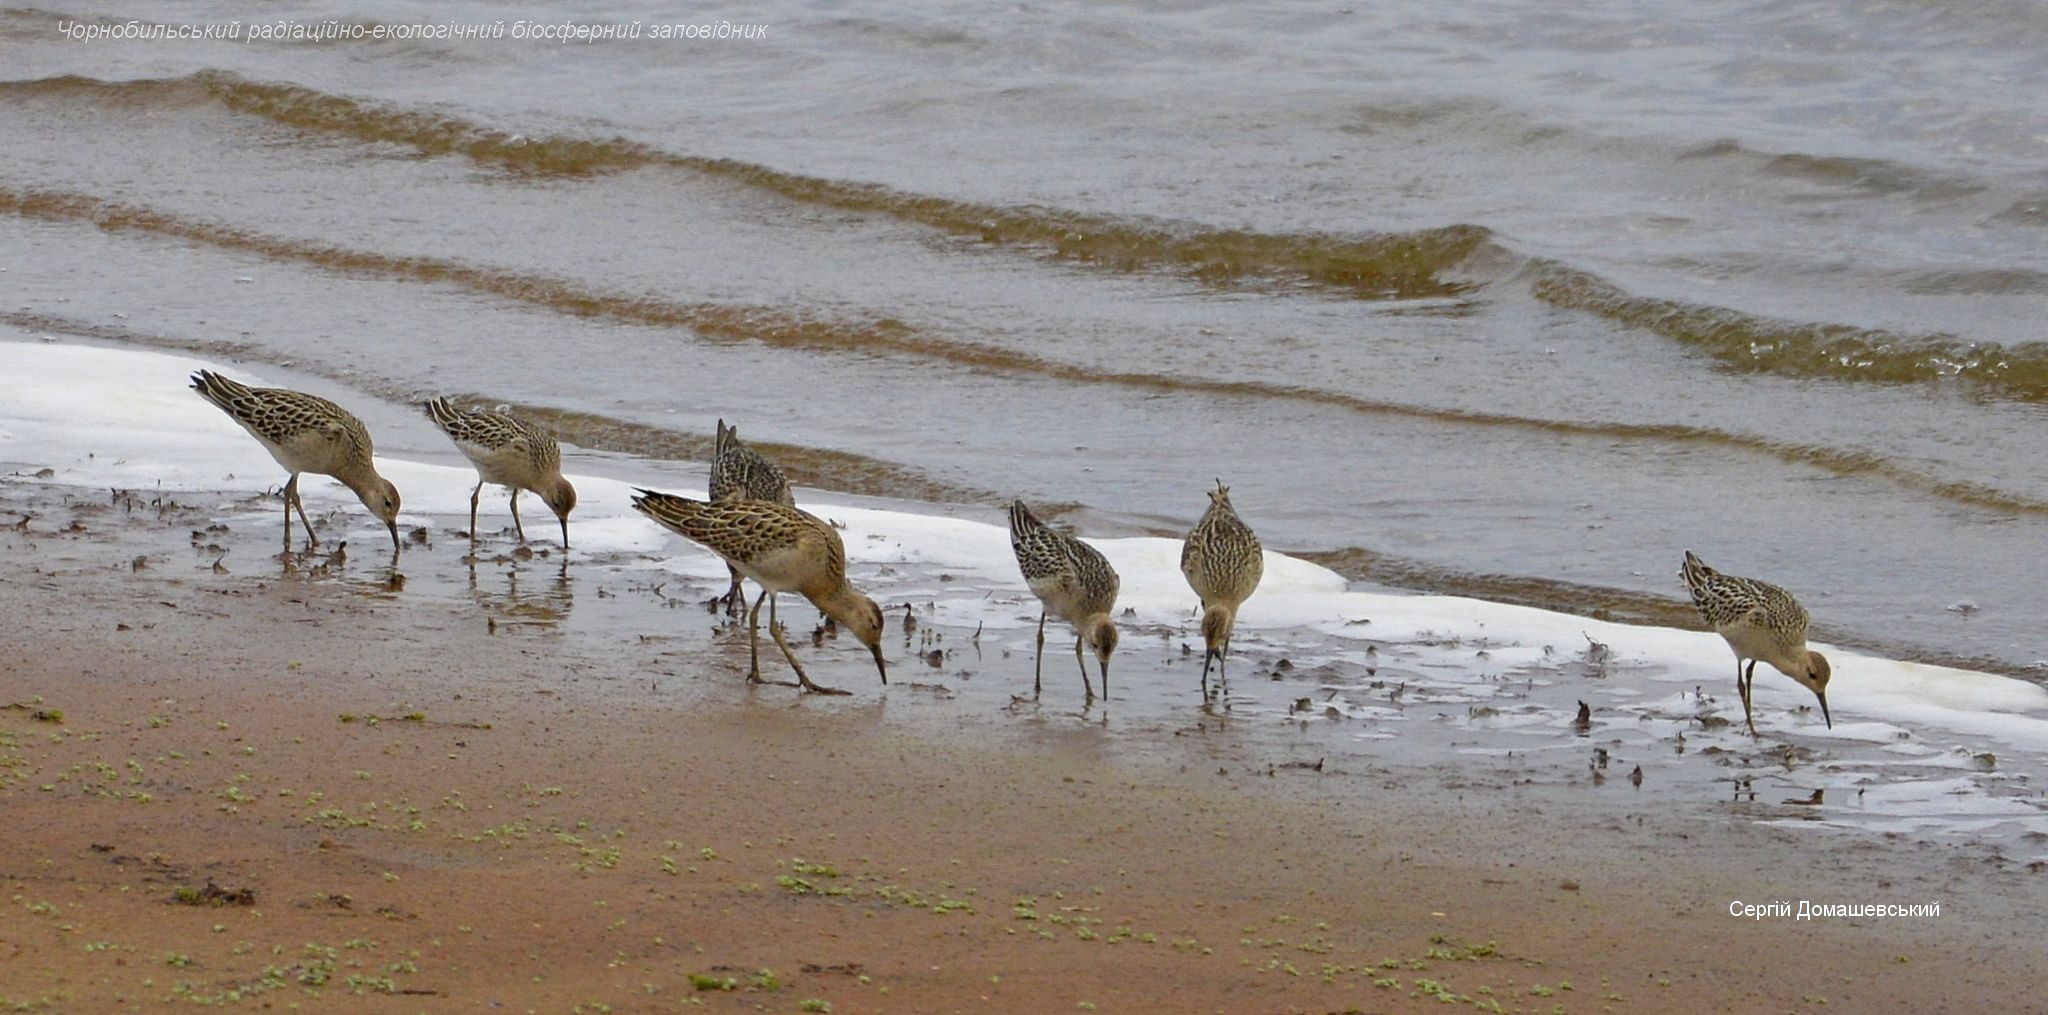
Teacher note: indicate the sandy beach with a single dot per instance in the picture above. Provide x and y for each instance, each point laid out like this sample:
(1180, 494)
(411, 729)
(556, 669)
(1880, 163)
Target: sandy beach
(302, 789)
(1487, 317)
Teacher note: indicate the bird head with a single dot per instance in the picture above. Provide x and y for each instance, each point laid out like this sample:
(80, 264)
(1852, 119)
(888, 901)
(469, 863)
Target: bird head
(1101, 637)
(864, 619)
(561, 498)
(382, 499)
(1216, 624)
(1815, 679)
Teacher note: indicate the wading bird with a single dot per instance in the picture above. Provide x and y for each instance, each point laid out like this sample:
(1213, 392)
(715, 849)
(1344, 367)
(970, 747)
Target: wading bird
(1762, 623)
(510, 452)
(783, 550)
(1223, 563)
(306, 433)
(1072, 581)
(739, 471)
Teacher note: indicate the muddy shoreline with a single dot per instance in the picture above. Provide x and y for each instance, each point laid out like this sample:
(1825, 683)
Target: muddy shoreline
(863, 475)
(333, 790)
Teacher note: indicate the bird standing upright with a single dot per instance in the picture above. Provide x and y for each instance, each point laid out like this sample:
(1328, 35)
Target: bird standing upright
(1223, 563)
(306, 433)
(1761, 622)
(783, 550)
(510, 452)
(1071, 580)
(739, 471)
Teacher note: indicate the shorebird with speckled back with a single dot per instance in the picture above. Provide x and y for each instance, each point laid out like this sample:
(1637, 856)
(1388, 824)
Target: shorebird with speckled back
(739, 471)
(783, 550)
(1762, 623)
(306, 433)
(1223, 563)
(1072, 581)
(510, 452)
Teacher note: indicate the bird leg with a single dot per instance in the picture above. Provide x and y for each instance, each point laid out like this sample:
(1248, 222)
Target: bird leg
(1744, 684)
(734, 602)
(1221, 657)
(473, 495)
(754, 639)
(291, 498)
(521, 529)
(775, 630)
(1083, 663)
(289, 485)
(1038, 658)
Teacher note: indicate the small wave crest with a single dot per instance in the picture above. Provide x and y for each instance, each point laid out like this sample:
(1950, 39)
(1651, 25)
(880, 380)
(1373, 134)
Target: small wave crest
(156, 93)
(1795, 349)
(889, 336)
(1394, 265)
(1862, 177)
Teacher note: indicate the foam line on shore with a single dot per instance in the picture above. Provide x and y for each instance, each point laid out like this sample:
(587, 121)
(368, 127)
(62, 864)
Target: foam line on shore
(112, 418)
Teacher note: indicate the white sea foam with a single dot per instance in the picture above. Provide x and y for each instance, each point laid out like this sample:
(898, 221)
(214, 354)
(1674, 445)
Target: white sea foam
(102, 417)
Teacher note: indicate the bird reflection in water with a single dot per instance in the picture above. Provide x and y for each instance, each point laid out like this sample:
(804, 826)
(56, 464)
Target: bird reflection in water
(522, 595)
(384, 581)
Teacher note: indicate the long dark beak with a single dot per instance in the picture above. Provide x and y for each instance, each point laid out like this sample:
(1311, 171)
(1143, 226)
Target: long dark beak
(565, 530)
(880, 666)
(393, 526)
(1104, 663)
(1824, 708)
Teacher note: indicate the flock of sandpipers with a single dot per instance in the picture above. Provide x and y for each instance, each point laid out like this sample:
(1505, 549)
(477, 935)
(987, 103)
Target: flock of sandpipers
(753, 523)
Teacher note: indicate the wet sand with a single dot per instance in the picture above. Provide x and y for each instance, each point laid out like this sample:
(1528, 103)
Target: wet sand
(311, 790)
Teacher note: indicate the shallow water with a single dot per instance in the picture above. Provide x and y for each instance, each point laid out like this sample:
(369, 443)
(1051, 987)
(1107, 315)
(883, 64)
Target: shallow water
(1325, 680)
(1510, 300)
